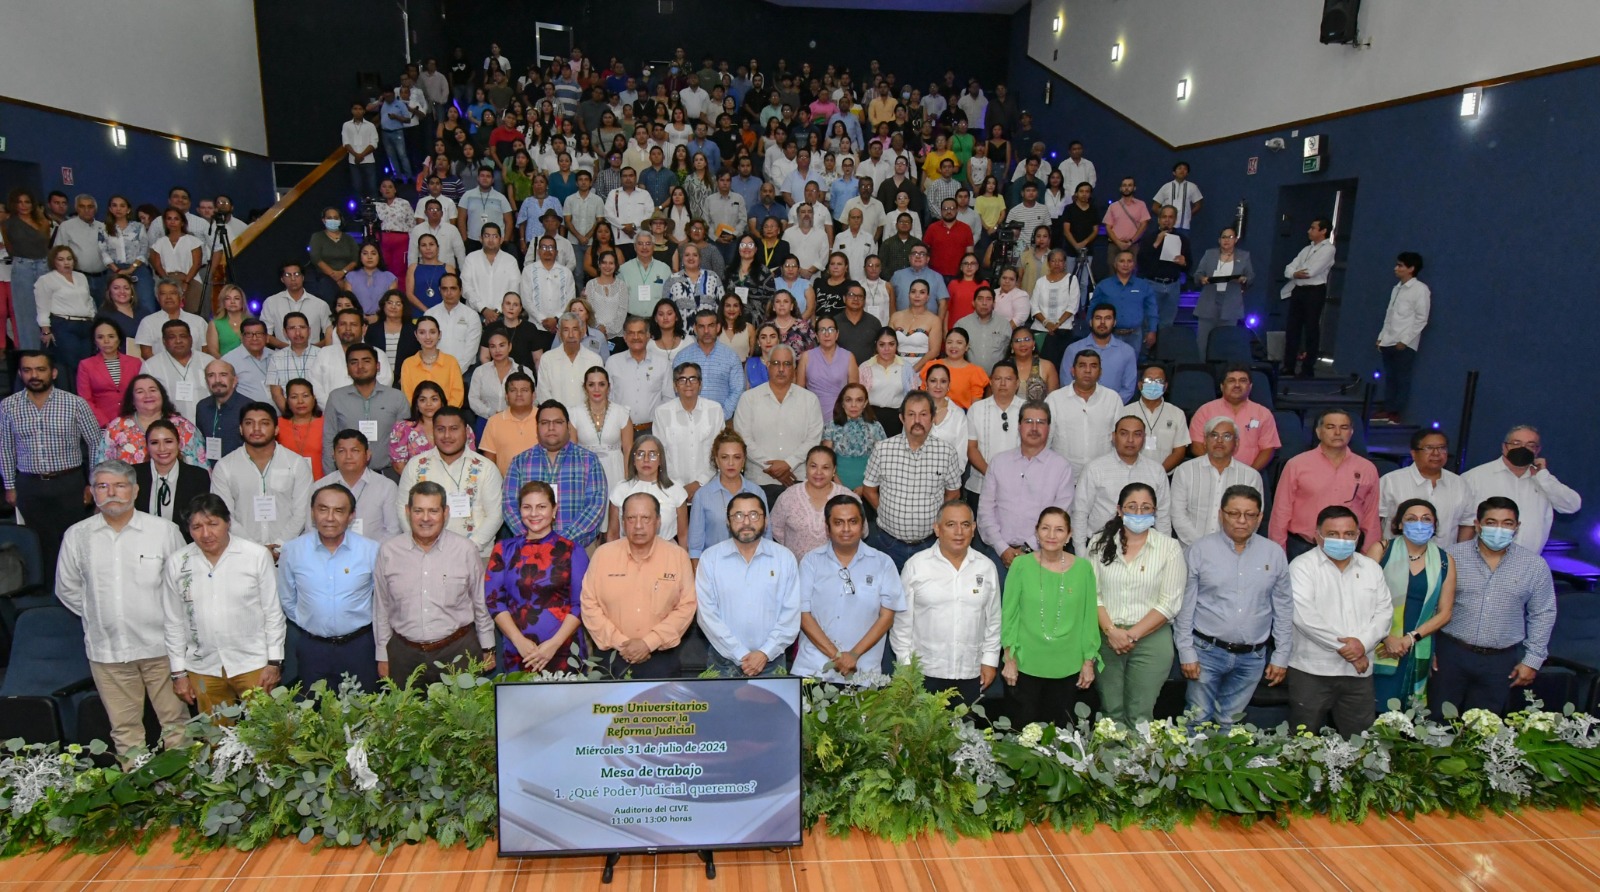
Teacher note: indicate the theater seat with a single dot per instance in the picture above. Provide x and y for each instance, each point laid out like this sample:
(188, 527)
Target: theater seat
(47, 676)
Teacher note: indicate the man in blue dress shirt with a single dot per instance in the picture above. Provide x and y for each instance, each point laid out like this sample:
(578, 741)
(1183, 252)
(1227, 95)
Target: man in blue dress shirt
(849, 595)
(1119, 363)
(1238, 595)
(325, 585)
(1499, 631)
(747, 591)
(1135, 300)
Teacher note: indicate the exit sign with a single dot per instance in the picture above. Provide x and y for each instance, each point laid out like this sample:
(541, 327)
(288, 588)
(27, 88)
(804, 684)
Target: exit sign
(1311, 165)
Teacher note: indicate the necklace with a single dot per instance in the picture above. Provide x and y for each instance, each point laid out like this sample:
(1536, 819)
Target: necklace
(600, 422)
(1061, 590)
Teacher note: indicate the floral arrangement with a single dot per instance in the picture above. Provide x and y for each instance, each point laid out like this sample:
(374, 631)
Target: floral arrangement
(401, 764)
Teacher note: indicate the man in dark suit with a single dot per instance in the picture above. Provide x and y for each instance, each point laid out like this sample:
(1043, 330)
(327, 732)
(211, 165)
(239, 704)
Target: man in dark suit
(166, 483)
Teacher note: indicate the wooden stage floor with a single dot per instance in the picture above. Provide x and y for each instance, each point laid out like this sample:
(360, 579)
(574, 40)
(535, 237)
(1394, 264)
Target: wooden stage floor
(1534, 850)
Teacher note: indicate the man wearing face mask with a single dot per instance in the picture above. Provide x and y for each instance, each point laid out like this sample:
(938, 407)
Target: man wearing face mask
(1342, 611)
(1166, 428)
(1499, 631)
(1522, 475)
(1103, 479)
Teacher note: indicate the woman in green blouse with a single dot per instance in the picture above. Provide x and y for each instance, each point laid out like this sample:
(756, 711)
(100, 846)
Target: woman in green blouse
(1049, 630)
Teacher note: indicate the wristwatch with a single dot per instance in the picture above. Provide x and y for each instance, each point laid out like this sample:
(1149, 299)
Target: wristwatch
(276, 664)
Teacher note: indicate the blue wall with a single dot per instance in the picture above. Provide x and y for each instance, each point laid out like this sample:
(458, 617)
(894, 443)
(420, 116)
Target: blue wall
(143, 170)
(1491, 205)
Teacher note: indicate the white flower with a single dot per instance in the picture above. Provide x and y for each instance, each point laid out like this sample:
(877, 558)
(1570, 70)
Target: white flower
(1032, 734)
(230, 755)
(356, 758)
(1547, 722)
(1398, 721)
(1482, 721)
(31, 777)
(1108, 729)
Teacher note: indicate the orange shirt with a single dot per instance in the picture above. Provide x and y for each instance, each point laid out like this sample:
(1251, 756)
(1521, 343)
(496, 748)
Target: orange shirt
(508, 438)
(303, 439)
(966, 383)
(625, 598)
(445, 372)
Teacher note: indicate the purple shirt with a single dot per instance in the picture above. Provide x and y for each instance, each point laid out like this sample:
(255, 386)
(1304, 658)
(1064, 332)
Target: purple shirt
(369, 290)
(1024, 487)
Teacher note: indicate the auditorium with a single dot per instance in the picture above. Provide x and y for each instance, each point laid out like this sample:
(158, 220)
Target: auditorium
(795, 444)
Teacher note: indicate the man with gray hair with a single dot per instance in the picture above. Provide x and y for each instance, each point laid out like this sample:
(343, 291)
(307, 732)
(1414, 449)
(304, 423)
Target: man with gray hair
(84, 235)
(780, 422)
(109, 574)
(644, 276)
(562, 369)
(1522, 475)
(1197, 485)
(639, 595)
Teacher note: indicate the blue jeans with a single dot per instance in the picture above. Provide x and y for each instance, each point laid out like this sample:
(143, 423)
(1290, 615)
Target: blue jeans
(730, 669)
(1167, 301)
(898, 551)
(1134, 339)
(1227, 682)
(25, 271)
(394, 146)
(74, 342)
(364, 179)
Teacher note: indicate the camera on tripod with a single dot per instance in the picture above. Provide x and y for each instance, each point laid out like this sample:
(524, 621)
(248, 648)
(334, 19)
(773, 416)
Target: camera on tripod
(1009, 233)
(367, 214)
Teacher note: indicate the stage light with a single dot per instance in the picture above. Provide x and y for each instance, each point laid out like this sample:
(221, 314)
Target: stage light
(1434, 425)
(1252, 321)
(1376, 374)
(1183, 89)
(119, 137)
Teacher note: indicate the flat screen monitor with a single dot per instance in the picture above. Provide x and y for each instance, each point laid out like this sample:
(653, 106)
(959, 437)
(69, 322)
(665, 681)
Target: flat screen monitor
(648, 766)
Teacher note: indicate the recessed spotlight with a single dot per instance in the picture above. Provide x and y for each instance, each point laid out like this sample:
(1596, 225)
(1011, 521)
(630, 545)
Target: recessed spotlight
(1183, 89)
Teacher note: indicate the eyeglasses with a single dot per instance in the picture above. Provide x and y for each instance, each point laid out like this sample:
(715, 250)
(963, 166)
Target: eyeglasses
(1022, 340)
(293, 275)
(746, 515)
(823, 331)
(1220, 435)
(1005, 422)
(1039, 421)
(781, 363)
(646, 454)
(688, 379)
(1433, 448)
(1242, 515)
(849, 584)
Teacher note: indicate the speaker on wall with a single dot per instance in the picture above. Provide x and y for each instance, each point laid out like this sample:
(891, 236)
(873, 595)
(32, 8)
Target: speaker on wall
(1339, 20)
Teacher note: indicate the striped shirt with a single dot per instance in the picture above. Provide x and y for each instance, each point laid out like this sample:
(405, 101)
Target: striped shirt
(285, 366)
(1514, 603)
(580, 485)
(1154, 580)
(45, 441)
(1197, 488)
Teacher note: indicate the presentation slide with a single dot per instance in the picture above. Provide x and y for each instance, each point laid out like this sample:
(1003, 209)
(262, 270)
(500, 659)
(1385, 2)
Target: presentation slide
(626, 766)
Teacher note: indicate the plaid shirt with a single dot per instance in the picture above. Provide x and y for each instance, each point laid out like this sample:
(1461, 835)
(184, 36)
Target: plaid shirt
(912, 484)
(1515, 603)
(45, 441)
(580, 485)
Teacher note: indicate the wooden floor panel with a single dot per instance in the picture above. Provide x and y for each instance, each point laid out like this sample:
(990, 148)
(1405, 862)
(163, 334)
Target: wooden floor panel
(1495, 852)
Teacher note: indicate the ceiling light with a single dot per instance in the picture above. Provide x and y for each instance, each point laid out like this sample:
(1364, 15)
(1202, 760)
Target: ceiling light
(1183, 89)
(182, 149)
(1116, 51)
(119, 137)
(1055, 24)
(1471, 102)
(230, 158)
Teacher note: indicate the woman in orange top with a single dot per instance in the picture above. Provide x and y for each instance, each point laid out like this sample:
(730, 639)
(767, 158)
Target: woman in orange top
(301, 431)
(968, 380)
(432, 364)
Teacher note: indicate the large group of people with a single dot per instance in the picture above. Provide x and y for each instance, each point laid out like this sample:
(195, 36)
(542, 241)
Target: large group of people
(749, 373)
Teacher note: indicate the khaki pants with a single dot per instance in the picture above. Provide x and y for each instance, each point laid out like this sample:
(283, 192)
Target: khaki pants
(123, 688)
(211, 691)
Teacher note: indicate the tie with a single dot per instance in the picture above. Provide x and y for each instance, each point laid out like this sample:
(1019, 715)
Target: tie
(163, 497)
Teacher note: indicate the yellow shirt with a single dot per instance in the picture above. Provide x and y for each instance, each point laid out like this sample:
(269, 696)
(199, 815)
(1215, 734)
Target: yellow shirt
(991, 210)
(930, 164)
(444, 372)
(626, 598)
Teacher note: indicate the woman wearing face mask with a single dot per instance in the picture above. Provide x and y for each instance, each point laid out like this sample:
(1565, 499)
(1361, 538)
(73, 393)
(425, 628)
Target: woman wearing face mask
(1139, 576)
(333, 254)
(1422, 583)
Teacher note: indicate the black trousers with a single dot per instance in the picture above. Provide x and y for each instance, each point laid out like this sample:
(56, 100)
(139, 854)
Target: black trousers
(661, 664)
(404, 659)
(49, 506)
(967, 689)
(1304, 328)
(321, 660)
(1472, 680)
(1346, 698)
(1297, 546)
(1034, 699)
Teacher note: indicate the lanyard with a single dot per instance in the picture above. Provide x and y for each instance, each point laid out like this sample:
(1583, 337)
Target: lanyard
(267, 470)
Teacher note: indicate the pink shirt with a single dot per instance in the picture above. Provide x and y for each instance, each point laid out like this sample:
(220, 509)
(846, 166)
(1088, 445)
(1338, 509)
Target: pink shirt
(1012, 305)
(1257, 429)
(1310, 483)
(1122, 219)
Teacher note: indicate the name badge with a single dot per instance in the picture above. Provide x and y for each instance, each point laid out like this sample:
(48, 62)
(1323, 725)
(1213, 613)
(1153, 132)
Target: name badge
(460, 505)
(266, 509)
(368, 428)
(356, 527)
(184, 392)
(213, 448)
(132, 347)
(643, 294)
